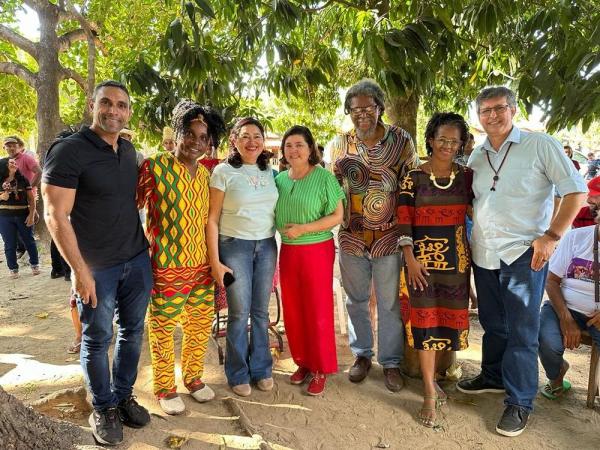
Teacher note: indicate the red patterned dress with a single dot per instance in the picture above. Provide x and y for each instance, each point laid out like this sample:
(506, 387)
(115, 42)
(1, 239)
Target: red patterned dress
(433, 221)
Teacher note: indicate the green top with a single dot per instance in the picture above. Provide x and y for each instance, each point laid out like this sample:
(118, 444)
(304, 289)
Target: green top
(306, 200)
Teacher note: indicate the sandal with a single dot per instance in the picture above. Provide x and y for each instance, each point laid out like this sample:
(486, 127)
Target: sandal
(442, 397)
(75, 347)
(553, 393)
(427, 415)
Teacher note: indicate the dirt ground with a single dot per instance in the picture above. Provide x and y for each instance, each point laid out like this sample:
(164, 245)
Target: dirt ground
(35, 331)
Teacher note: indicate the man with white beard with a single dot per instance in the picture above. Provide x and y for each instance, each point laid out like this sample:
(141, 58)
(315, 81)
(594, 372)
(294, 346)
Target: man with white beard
(369, 161)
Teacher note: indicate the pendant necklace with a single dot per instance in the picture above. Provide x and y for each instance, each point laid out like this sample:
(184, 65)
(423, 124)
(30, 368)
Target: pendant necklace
(434, 181)
(253, 180)
(496, 172)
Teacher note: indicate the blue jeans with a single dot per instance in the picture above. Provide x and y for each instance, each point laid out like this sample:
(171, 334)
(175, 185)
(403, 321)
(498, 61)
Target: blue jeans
(10, 227)
(124, 288)
(551, 339)
(357, 273)
(253, 264)
(509, 312)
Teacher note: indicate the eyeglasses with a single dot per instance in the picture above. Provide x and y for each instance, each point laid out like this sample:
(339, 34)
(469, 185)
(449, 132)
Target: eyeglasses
(368, 110)
(448, 142)
(500, 109)
(203, 138)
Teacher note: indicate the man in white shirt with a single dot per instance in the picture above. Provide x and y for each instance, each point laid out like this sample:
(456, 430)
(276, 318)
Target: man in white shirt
(514, 235)
(572, 306)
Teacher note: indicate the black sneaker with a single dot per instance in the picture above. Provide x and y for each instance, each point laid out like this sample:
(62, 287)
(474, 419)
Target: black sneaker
(106, 426)
(55, 274)
(513, 421)
(132, 414)
(478, 385)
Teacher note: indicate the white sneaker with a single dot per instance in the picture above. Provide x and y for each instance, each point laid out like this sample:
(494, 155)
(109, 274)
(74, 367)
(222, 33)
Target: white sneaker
(243, 390)
(172, 406)
(204, 394)
(266, 384)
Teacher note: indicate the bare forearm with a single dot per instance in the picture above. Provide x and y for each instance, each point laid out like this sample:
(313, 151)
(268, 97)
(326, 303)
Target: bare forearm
(567, 210)
(212, 242)
(558, 301)
(323, 224)
(62, 233)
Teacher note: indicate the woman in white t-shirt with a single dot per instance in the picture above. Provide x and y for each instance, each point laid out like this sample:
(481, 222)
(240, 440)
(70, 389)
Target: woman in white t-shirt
(242, 248)
(572, 307)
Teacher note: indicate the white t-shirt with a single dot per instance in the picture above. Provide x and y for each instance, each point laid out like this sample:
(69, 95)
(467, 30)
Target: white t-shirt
(572, 261)
(249, 204)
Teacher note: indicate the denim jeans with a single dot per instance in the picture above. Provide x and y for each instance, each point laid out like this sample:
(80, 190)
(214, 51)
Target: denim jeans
(253, 264)
(357, 273)
(509, 312)
(551, 339)
(10, 228)
(124, 289)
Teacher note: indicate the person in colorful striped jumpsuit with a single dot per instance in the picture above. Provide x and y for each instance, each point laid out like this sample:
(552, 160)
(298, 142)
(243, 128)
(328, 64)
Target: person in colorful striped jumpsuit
(174, 189)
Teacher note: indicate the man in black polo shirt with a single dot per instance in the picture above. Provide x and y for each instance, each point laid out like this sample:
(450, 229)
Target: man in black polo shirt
(91, 176)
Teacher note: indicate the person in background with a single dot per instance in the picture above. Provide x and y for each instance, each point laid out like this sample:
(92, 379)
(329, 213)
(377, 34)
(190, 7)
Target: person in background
(174, 189)
(168, 141)
(569, 152)
(17, 215)
(572, 306)
(309, 206)
(593, 164)
(587, 214)
(243, 253)
(462, 158)
(29, 167)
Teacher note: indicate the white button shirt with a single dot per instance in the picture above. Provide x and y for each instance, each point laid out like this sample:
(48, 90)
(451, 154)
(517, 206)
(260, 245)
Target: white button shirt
(507, 220)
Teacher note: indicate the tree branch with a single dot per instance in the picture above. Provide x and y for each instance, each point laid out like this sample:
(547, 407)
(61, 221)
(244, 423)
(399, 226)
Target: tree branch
(76, 76)
(67, 39)
(19, 41)
(20, 71)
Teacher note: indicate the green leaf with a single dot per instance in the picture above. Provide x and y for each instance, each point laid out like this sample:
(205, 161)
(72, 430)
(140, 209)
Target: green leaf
(204, 5)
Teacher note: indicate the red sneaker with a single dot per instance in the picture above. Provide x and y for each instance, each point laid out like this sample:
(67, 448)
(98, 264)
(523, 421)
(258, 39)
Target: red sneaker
(299, 376)
(317, 384)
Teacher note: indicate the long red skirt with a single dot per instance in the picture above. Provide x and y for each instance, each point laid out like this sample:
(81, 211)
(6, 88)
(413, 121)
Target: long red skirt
(306, 273)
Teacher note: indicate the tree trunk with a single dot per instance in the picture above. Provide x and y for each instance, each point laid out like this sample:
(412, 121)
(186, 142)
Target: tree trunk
(23, 428)
(402, 111)
(48, 99)
(48, 81)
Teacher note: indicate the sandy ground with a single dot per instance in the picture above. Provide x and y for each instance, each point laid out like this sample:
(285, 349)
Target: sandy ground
(35, 331)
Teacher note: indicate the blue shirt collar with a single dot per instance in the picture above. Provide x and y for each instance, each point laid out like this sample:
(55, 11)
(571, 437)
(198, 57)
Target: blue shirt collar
(513, 136)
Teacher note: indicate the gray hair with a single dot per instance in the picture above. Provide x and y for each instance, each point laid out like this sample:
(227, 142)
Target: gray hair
(495, 92)
(369, 88)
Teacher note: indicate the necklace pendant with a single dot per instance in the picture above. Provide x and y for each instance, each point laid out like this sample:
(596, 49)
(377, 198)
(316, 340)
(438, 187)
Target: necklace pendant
(496, 178)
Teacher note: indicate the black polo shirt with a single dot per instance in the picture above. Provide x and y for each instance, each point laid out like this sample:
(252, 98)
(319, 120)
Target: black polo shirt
(105, 217)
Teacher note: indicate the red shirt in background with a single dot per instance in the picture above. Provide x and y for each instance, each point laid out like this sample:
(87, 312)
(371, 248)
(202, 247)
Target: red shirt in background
(209, 163)
(583, 218)
(27, 165)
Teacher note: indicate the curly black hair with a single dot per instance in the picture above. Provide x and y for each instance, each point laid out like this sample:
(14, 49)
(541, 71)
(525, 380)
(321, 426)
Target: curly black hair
(234, 158)
(450, 119)
(187, 110)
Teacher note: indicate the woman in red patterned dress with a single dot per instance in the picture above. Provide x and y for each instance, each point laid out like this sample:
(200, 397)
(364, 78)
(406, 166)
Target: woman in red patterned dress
(432, 204)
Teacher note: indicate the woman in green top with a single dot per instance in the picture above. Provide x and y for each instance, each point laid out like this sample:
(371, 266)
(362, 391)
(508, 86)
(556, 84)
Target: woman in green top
(309, 206)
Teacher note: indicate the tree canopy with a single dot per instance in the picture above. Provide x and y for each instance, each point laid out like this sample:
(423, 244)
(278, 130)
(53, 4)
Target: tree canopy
(286, 60)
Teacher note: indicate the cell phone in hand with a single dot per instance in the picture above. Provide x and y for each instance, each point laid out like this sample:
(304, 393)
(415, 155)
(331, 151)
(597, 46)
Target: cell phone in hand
(228, 279)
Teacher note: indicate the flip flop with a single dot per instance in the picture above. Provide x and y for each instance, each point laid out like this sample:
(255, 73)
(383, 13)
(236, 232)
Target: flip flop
(553, 393)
